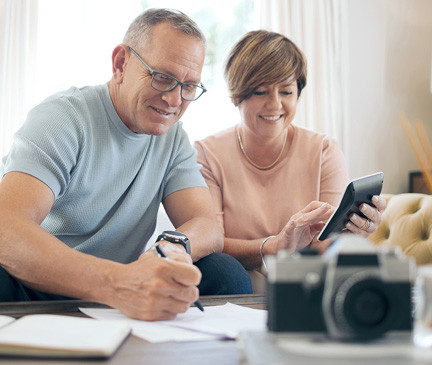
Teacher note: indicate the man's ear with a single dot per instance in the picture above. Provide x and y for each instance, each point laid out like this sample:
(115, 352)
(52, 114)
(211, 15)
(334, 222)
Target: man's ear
(119, 61)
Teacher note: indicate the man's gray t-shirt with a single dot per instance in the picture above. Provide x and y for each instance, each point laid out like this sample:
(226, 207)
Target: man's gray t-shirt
(108, 182)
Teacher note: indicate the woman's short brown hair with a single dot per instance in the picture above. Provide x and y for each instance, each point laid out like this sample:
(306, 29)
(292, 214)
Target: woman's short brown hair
(260, 58)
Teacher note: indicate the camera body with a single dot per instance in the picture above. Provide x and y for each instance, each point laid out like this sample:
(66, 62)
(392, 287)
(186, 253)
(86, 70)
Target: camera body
(354, 291)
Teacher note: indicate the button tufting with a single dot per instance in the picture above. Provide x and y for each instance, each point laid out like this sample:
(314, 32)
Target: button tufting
(407, 222)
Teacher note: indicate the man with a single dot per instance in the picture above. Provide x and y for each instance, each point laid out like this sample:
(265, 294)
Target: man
(83, 181)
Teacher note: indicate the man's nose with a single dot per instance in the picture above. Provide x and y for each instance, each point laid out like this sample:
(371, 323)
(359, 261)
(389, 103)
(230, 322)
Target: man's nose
(173, 97)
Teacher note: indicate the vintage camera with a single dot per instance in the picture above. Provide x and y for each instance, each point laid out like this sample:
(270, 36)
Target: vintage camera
(354, 291)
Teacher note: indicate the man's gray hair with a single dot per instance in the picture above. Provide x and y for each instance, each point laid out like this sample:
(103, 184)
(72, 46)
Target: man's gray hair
(139, 31)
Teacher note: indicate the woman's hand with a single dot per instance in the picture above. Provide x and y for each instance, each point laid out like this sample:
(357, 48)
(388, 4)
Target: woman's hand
(300, 229)
(366, 226)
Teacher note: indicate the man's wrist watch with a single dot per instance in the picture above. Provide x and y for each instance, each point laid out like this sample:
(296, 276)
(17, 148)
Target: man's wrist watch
(175, 237)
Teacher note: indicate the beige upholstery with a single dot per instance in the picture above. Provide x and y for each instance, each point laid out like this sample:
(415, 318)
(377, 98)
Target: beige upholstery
(407, 222)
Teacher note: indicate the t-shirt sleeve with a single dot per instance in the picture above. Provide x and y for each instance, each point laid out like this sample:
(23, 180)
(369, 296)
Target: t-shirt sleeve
(46, 146)
(334, 172)
(214, 186)
(184, 171)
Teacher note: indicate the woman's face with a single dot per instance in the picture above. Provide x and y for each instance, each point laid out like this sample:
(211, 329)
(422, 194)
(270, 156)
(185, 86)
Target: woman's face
(270, 109)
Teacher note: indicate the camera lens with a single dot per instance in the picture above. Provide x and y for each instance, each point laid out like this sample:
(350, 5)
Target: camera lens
(370, 306)
(362, 307)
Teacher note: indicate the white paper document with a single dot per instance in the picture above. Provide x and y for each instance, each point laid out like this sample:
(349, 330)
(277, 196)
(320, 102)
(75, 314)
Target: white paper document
(216, 322)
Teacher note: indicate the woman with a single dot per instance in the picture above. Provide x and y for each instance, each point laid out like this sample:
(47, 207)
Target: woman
(274, 183)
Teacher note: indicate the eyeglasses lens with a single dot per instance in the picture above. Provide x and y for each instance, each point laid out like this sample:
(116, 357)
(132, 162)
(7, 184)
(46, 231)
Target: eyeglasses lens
(164, 82)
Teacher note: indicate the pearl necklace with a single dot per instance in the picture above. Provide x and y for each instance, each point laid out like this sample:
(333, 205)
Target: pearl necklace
(253, 163)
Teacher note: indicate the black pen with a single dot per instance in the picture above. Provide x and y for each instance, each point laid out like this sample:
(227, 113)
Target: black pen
(161, 253)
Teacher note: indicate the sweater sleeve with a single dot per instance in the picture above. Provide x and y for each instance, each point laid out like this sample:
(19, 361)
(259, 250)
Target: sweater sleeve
(334, 172)
(211, 180)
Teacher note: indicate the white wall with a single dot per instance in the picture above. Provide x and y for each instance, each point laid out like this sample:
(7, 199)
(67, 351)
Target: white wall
(390, 48)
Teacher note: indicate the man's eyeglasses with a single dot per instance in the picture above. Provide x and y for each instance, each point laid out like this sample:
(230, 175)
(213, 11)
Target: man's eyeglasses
(164, 82)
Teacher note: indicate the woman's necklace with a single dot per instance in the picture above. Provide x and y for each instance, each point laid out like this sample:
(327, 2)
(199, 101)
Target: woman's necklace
(253, 163)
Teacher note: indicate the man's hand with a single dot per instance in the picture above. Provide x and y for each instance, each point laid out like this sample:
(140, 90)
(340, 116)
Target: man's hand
(154, 288)
(175, 252)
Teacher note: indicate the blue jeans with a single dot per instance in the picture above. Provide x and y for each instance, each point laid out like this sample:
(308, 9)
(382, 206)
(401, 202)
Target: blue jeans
(221, 274)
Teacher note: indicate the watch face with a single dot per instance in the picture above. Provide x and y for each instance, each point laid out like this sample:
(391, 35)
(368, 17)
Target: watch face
(175, 237)
(175, 234)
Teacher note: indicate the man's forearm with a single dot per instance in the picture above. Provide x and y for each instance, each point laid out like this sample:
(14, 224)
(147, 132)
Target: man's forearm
(44, 263)
(149, 288)
(204, 235)
(191, 212)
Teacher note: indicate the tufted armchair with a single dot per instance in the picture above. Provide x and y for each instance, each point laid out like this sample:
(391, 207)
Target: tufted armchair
(407, 222)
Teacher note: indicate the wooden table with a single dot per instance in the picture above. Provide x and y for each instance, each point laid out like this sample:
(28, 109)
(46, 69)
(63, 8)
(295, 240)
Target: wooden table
(139, 351)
